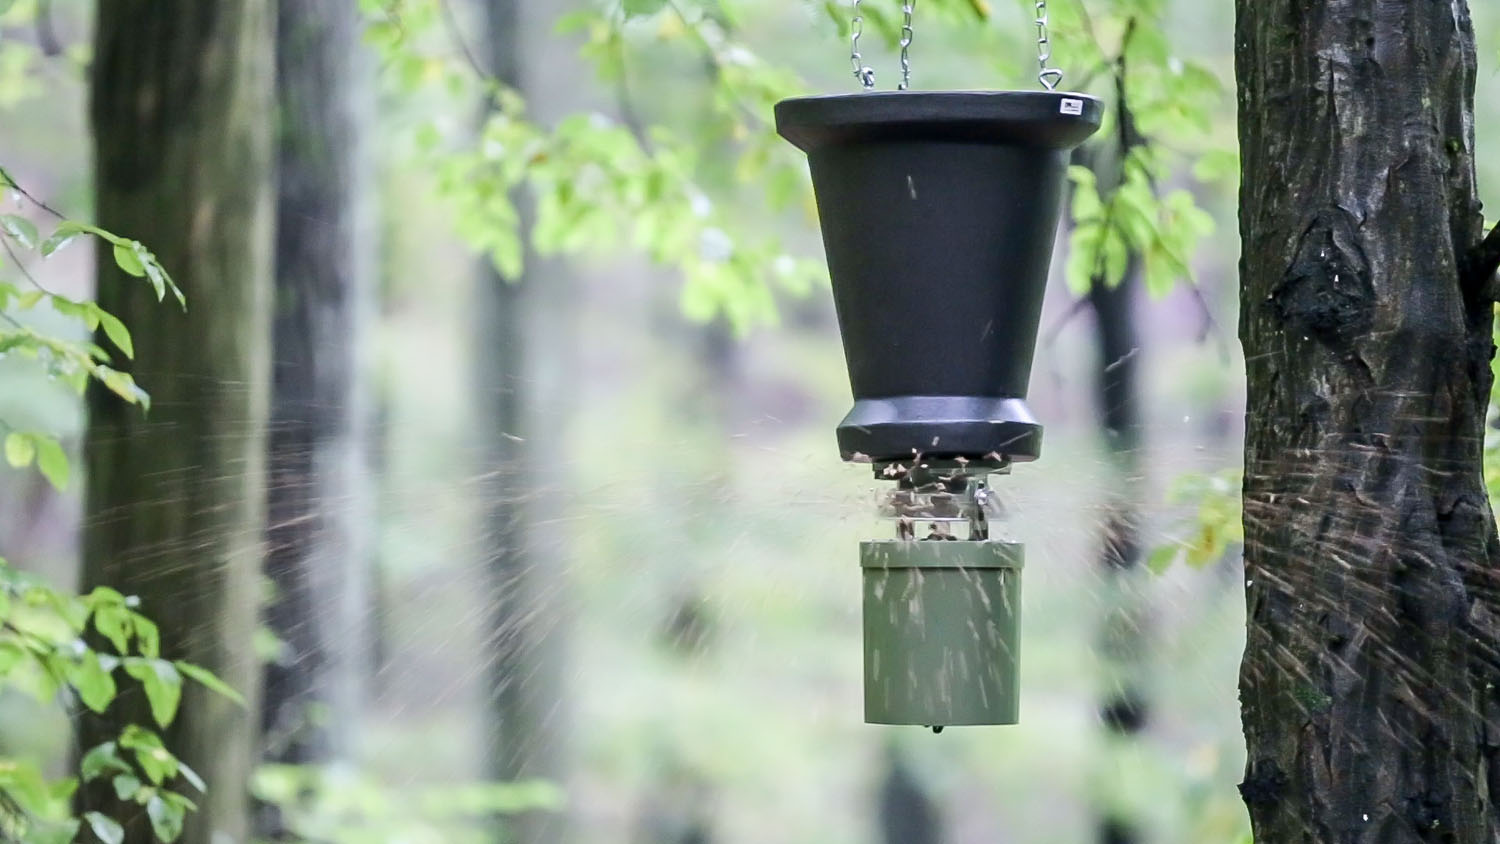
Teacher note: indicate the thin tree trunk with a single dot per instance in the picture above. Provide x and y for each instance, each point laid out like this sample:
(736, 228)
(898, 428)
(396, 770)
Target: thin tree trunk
(526, 724)
(1124, 707)
(907, 813)
(1369, 685)
(182, 93)
(319, 502)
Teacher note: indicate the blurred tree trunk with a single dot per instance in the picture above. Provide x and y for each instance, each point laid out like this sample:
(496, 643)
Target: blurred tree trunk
(1124, 706)
(522, 640)
(1370, 689)
(907, 813)
(319, 502)
(1122, 643)
(182, 93)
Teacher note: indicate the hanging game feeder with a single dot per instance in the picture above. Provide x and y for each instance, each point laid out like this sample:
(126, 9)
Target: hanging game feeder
(939, 211)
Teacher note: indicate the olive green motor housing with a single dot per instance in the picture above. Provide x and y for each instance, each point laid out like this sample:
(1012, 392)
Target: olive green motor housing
(942, 632)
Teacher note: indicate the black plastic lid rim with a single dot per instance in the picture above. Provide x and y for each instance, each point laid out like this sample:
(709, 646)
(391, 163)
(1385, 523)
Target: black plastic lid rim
(1047, 119)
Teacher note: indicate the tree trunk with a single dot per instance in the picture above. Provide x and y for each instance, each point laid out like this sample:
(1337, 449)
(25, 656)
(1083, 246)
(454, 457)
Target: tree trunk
(1124, 707)
(182, 93)
(1369, 680)
(523, 652)
(319, 502)
(907, 813)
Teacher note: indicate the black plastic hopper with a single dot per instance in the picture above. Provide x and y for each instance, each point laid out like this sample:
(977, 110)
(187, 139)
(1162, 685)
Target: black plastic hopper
(939, 211)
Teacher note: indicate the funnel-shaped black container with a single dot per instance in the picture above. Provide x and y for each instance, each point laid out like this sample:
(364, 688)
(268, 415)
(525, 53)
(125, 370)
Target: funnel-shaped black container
(939, 211)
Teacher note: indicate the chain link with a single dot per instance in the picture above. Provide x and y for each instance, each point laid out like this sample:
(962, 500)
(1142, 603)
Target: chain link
(906, 38)
(1050, 77)
(864, 73)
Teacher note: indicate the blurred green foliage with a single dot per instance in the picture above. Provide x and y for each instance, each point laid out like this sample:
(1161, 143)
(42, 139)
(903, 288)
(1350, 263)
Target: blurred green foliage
(45, 651)
(597, 183)
(341, 806)
(1216, 524)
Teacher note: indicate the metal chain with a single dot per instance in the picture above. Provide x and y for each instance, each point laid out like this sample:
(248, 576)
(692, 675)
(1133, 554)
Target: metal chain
(906, 38)
(1050, 77)
(864, 73)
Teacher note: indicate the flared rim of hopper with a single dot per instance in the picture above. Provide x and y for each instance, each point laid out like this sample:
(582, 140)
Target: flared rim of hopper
(1041, 119)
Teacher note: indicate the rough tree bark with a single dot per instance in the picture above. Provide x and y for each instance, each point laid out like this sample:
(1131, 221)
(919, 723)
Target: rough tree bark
(523, 668)
(1369, 679)
(182, 92)
(319, 503)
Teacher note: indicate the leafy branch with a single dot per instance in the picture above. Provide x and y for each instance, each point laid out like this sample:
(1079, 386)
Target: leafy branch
(1162, 103)
(597, 184)
(46, 634)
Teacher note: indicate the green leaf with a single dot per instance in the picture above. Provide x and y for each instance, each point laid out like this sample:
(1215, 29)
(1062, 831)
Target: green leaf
(155, 760)
(192, 776)
(122, 385)
(107, 828)
(840, 17)
(163, 685)
(20, 450)
(103, 759)
(1162, 558)
(127, 260)
(160, 281)
(11, 655)
(147, 636)
(166, 818)
(95, 686)
(642, 8)
(117, 333)
(575, 22)
(20, 228)
(58, 240)
(126, 786)
(52, 461)
(53, 832)
(213, 683)
(104, 596)
(22, 782)
(111, 621)
(1218, 165)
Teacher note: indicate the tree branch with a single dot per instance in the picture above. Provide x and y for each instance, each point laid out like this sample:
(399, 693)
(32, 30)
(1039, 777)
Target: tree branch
(46, 34)
(8, 182)
(456, 33)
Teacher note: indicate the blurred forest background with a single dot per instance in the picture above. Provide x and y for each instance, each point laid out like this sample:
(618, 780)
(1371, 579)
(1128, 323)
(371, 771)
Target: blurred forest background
(585, 529)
